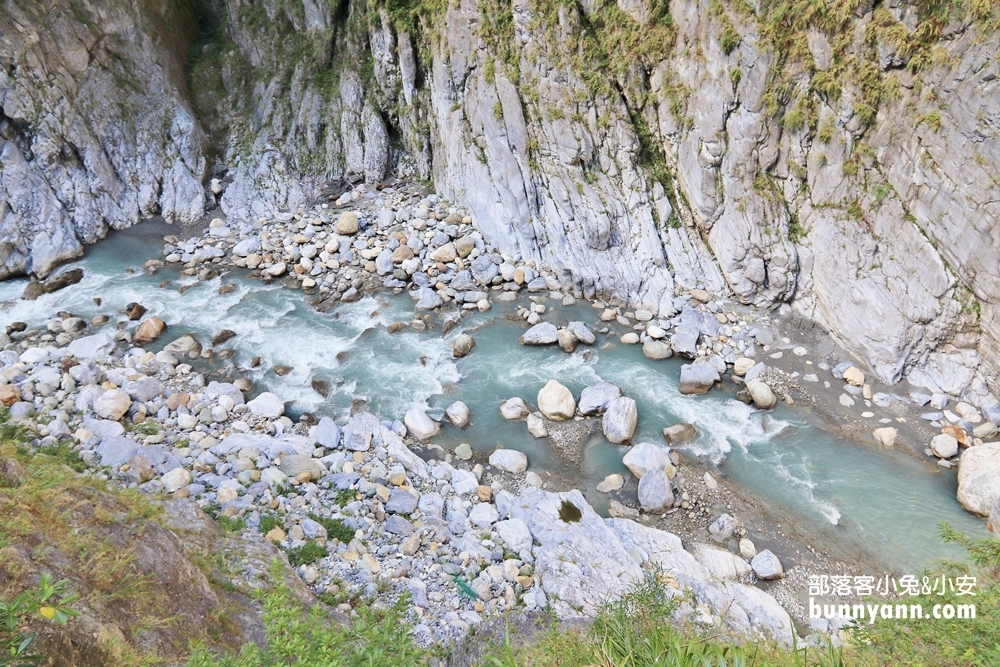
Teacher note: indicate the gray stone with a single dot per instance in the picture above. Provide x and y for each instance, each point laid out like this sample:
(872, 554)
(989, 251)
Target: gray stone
(767, 566)
(656, 495)
(464, 482)
(582, 333)
(313, 530)
(944, 446)
(116, 452)
(596, 398)
(327, 433)
(620, 420)
(755, 371)
(685, 341)
(295, 464)
(483, 516)
(401, 502)
(515, 534)
(698, 378)
(89, 347)
(723, 527)
(428, 299)
(536, 426)
(645, 456)
(397, 525)
(543, 333)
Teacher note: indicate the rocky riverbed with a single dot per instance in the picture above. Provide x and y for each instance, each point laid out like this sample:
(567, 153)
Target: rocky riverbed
(465, 535)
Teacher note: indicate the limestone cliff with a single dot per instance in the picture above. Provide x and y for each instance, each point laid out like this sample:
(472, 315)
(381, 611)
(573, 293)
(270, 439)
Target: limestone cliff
(837, 157)
(95, 131)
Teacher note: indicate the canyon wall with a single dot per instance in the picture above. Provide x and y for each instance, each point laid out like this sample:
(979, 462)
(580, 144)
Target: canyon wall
(841, 159)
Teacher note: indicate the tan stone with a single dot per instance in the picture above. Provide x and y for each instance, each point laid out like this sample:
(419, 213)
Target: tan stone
(9, 394)
(149, 330)
(853, 376)
(347, 224)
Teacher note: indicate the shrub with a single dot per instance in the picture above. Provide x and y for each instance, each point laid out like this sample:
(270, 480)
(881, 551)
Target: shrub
(377, 636)
(335, 528)
(268, 522)
(38, 601)
(307, 554)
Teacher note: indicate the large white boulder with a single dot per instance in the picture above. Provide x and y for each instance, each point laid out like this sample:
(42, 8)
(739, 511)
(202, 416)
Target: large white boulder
(767, 566)
(267, 405)
(420, 425)
(556, 402)
(514, 408)
(761, 395)
(979, 478)
(509, 460)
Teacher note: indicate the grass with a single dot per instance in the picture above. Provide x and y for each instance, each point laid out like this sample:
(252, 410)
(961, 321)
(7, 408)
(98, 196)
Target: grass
(972, 642)
(309, 638)
(78, 524)
(639, 630)
(230, 525)
(63, 453)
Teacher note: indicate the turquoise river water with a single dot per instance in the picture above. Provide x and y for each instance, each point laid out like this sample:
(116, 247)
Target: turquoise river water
(847, 493)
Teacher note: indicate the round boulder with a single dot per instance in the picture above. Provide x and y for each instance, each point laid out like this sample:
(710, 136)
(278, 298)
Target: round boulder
(761, 395)
(944, 446)
(514, 408)
(885, 436)
(656, 350)
(462, 346)
(420, 425)
(556, 402)
(348, 223)
(767, 566)
(112, 404)
(509, 460)
(681, 432)
(149, 330)
(458, 414)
